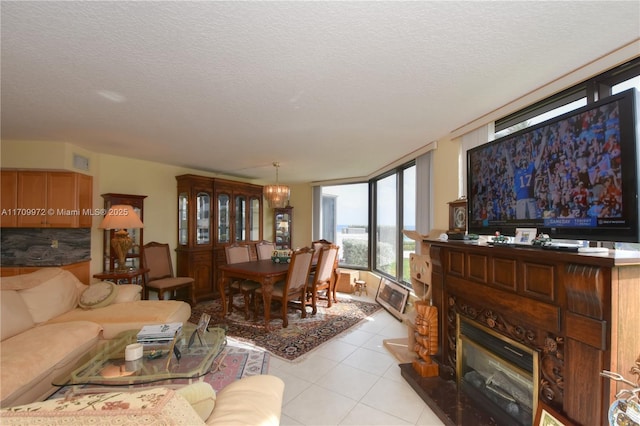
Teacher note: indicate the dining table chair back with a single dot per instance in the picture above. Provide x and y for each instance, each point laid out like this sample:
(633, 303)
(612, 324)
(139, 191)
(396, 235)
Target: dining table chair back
(265, 249)
(316, 246)
(238, 253)
(292, 291)
(324, 276)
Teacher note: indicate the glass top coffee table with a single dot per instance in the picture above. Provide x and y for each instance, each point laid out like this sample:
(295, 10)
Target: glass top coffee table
(105, 365)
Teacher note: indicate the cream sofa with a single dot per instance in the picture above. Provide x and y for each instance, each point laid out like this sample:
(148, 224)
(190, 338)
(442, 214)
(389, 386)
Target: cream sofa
(49, 319)
(254, 400)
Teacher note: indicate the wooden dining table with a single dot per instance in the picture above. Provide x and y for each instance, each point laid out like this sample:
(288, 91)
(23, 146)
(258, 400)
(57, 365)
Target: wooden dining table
(264, 272)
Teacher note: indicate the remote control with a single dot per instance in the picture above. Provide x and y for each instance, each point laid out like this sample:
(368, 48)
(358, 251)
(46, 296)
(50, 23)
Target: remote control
(593, 250)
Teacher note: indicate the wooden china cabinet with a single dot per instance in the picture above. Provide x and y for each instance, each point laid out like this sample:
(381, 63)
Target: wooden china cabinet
(195, 219)
(238, 216)
(211, 214)
(283, 227)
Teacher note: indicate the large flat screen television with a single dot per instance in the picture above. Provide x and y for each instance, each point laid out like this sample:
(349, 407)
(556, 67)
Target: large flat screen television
(572, 177)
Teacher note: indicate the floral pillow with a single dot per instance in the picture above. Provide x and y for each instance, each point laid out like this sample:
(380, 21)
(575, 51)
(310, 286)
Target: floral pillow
(98, 295)
(157, 406)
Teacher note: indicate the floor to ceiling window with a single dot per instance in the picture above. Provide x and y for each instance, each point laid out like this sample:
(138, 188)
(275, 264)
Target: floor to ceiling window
(343, 217)
(344, 220)
(395, 207)
(408, 219)
(386, 225)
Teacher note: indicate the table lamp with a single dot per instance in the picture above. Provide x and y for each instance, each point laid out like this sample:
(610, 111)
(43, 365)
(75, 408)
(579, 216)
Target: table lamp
(121, 217)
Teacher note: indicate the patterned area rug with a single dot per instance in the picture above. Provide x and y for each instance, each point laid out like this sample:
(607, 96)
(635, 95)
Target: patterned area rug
(237, 360)
(300, 337)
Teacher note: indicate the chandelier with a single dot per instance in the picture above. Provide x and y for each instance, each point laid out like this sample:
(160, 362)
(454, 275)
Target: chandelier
(277, 195)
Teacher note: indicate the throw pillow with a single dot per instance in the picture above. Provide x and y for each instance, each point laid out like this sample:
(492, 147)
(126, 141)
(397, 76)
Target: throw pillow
(127, 293)
(98, 295)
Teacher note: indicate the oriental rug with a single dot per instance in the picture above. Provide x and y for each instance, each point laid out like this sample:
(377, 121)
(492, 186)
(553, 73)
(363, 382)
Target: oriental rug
(237, 360)
(300, 337)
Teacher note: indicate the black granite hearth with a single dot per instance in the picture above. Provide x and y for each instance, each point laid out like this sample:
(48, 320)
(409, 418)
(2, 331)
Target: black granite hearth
(447, 402)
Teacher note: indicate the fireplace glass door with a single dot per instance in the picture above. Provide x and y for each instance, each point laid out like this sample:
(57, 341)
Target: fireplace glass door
(497, 373)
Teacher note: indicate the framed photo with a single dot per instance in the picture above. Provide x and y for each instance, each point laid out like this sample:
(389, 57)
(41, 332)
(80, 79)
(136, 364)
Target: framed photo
(458, 215)
(525, 235)
(392, 296)
(203, 326)
(547, 416)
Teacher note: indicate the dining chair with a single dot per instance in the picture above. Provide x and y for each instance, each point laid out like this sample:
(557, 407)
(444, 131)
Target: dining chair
(157, 258)
(291, 292)
(238, 253)
(265, 249)
(316, 246)
(324, 276)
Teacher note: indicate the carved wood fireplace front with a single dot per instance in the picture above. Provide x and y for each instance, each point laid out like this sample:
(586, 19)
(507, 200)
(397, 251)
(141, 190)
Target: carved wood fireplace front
(563, 311)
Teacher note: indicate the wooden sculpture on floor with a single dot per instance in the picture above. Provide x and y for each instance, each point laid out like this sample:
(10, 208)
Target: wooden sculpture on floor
(426, 339)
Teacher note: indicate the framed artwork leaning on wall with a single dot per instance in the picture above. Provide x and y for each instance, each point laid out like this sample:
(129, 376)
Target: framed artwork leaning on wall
(392, 296)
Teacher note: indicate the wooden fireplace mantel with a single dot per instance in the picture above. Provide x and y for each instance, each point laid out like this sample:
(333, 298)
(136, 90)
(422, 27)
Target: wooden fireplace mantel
(580, 312)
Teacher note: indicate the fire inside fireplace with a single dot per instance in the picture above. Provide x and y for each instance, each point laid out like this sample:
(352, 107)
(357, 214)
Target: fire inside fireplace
(497, 373)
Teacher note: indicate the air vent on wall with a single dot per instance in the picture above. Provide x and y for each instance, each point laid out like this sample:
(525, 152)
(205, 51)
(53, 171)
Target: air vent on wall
(80, 162)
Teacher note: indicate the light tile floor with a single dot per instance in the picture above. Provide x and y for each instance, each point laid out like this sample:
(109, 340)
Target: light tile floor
(352, 380)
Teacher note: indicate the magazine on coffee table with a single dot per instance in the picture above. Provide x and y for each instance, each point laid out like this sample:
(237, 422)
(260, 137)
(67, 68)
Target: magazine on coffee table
(157, 333)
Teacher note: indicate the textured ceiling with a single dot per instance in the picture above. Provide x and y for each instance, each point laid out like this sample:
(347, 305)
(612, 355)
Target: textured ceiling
(329, 89)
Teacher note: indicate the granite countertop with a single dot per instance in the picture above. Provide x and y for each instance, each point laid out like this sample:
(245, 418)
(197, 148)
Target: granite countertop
(43, 262)
(39, 255)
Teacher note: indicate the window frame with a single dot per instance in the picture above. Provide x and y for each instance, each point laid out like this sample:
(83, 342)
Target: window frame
(593, 89)
(373, 241)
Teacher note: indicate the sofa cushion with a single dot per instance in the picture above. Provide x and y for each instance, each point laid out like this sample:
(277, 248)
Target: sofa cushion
(120, 317)
(14, 314)
(32, 279)
(152, 406)
(128, 293)
(35, 353)
(201, 397)
(98, 295)
(253, 400)
(52, 297)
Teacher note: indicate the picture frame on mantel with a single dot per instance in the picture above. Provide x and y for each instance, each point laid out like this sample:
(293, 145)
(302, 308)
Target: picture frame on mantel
(525, 236)
(547, 416)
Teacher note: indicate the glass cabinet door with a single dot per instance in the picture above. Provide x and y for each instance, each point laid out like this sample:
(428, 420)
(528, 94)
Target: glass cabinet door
(254, 219)
(223, 218)
(203, 213)
(241, 218)
(183, 221)
(282, 227)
